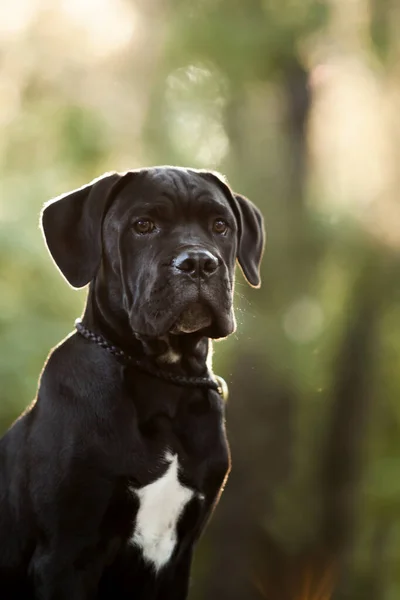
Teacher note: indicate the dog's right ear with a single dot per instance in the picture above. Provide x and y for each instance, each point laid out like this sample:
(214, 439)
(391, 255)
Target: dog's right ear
(71, 226)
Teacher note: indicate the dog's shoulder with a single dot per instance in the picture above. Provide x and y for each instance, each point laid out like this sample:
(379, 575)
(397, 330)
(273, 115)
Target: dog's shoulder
(81, 388)
(79, 411)
(76, 368)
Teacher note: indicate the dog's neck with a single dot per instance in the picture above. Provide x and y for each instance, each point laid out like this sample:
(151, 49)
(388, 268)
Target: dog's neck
(186, 354)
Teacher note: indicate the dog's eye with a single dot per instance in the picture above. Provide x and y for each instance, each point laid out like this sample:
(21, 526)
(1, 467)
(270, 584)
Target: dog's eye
(220, 226)
(144, 226)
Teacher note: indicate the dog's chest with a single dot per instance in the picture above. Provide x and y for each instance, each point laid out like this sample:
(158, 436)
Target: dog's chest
(161, 504)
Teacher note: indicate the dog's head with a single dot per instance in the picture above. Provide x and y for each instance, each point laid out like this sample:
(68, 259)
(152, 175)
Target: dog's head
(168, 238)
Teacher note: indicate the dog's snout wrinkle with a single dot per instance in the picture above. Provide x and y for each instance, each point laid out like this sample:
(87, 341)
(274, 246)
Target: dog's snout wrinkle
(196, 263)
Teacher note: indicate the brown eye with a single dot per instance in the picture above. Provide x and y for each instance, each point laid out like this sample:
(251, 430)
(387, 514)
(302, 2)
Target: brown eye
(144, 226)
(220, 226)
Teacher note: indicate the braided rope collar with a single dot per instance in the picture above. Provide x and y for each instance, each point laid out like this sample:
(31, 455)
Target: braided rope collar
(218, 384)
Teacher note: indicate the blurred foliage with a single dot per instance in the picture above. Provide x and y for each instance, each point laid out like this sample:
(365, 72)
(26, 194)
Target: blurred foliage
(314, 417)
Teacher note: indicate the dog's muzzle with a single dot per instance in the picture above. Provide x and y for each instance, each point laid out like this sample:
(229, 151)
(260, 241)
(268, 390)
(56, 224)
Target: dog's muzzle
(196, 266)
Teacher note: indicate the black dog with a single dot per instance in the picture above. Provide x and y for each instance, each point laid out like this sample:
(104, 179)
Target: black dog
(108, 479)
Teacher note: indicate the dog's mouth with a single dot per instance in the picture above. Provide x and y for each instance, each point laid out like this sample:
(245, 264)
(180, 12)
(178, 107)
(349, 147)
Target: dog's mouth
(195, 317)
(206, 314)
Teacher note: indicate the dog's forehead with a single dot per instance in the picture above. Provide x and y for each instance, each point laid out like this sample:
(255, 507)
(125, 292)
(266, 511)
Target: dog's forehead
(183, 185)
(177, 180)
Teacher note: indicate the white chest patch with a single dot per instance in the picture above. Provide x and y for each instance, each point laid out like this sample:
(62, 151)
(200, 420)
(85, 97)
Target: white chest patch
(161, 504)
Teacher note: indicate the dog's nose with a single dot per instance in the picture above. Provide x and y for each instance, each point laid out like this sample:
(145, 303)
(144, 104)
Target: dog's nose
(197, 263)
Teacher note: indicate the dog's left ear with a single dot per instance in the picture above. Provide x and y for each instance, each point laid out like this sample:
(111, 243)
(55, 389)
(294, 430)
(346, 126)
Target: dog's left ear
(71, 226)
(251, 234)
(251, 239)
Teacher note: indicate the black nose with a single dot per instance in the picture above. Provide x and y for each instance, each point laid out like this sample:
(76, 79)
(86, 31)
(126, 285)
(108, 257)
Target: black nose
(197, 263)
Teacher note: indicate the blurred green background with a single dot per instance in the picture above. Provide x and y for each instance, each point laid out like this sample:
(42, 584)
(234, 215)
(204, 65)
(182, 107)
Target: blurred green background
(297, 102)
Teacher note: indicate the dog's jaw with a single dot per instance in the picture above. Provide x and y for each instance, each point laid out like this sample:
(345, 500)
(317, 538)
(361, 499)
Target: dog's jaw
(192, 320)
(195, 317)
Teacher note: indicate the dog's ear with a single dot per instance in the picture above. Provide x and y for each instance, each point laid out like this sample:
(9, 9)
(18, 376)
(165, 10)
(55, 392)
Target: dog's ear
(251, 233)
(71, 226)
(251, 239)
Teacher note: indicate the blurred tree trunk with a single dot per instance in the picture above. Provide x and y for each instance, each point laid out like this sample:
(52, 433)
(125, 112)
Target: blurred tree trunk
(260, 417)
(342, 461)
(344, 458)
(298, 104)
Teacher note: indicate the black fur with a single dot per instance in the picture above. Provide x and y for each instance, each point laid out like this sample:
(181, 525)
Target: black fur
(98, 427)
